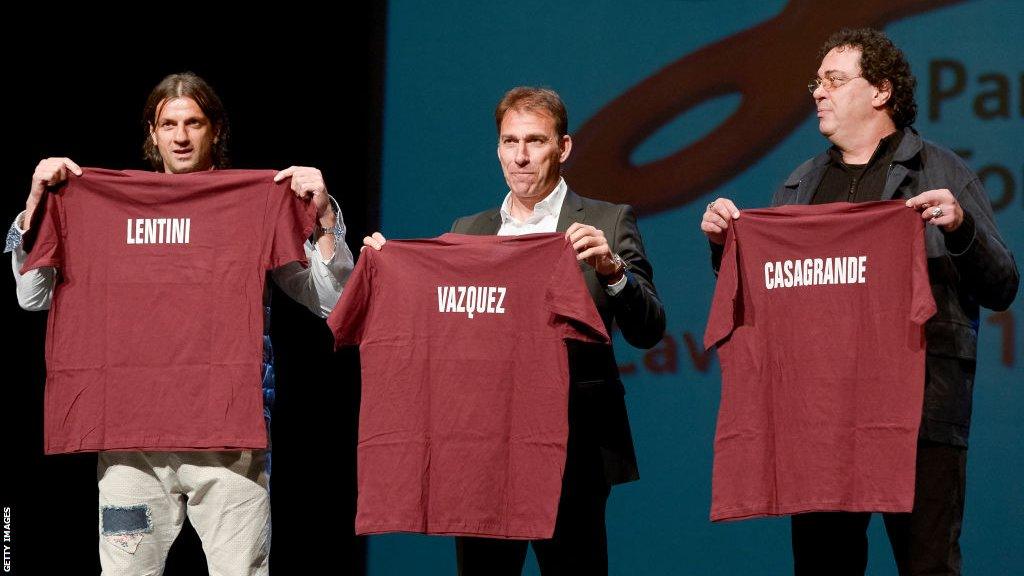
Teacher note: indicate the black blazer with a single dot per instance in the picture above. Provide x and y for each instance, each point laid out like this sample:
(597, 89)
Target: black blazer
(598, 424)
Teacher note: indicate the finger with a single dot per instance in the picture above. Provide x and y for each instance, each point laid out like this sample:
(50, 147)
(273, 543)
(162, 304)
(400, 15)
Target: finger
(573, 232)
(945, 214)
(583, 231)
(591, 253)
(919, 202)
(711, 228)
(725, 208)
(285, 173)
(59, 175)
(720, 220)
(930, 198)
(716, 210)
(72, 166)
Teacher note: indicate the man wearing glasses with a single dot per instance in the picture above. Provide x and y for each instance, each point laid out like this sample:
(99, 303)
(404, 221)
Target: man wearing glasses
(864, 93)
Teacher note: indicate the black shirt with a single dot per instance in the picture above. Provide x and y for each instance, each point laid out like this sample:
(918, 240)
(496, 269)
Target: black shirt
(844, 182)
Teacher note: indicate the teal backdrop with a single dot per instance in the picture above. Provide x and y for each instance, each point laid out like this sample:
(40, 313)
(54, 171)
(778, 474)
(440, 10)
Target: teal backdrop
(673, 104)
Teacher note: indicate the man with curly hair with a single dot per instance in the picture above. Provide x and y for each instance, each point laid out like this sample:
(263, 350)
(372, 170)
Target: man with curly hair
(864, 94)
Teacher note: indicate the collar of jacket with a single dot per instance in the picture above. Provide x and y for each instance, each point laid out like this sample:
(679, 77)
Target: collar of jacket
(807, 176)
(571, 211)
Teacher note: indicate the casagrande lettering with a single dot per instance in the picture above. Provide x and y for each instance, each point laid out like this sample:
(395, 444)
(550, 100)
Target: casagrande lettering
(471, 300)
(815, 271)
(159, 230)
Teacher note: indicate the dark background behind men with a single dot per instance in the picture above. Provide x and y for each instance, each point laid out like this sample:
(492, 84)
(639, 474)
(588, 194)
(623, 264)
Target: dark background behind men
(71, 96)
(447, 63)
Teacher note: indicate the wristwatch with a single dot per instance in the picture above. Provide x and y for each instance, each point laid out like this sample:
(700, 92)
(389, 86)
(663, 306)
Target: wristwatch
(620, 270)
(335, 230)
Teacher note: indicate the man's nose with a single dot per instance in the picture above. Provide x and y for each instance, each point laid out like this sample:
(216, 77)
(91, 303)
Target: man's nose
(819, 93)
(522, 158)
(181, 134)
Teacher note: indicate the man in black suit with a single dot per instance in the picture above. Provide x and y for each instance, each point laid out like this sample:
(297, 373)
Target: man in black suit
(533, 143)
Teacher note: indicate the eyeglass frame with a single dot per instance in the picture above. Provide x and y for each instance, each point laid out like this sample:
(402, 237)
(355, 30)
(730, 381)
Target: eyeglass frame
(825, 82)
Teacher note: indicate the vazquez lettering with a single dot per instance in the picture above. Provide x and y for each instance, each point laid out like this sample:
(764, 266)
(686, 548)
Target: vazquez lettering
(471, 300)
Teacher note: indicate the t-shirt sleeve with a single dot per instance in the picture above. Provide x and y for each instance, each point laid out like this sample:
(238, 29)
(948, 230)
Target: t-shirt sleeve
(45, 240)
(571, 306)
(348, 319)
(289, 222)
(721, 319)
(922, 304)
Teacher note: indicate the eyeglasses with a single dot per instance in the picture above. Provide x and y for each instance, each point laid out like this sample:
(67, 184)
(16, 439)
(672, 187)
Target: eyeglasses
(830, 82)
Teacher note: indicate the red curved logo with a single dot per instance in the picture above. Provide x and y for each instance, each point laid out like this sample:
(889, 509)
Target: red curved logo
(768, 65)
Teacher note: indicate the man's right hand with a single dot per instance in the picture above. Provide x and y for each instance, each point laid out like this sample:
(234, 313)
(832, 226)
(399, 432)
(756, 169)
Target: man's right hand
(716, 219)
(375, 241)
(49, 172)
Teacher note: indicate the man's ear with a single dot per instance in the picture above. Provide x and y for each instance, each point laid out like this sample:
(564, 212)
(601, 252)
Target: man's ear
(566, 148)
(883, 92)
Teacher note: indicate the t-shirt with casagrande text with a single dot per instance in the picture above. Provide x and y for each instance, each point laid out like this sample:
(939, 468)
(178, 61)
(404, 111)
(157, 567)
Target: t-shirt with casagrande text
(818, 316)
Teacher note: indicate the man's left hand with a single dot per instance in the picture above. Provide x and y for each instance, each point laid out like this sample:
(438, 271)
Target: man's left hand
(938, 207)
(591, 245)
(307, 182)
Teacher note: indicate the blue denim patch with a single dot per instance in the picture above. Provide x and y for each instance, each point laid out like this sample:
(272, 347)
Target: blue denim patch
(13, 239)
(126, 520)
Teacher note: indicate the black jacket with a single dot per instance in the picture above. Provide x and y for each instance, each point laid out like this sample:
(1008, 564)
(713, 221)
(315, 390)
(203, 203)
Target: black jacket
(598, 424)
(969, 268)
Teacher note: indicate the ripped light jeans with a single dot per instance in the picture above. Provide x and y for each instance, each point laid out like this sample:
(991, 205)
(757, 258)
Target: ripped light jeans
(145, 497)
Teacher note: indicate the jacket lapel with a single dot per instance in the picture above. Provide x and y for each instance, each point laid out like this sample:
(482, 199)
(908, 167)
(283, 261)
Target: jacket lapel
(572, 211)
(908, 150)
(489, 225)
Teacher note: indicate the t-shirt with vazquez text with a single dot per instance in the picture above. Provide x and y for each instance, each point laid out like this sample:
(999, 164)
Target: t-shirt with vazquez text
(463, 422)
(818, 315)
(154, 336)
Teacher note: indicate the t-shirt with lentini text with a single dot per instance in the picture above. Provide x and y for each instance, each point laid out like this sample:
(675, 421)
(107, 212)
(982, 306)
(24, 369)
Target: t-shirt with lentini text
(155, 333)
(463, 422)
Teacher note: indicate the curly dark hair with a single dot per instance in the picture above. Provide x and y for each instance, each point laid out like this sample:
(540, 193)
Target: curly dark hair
(881, 60)
(187, 85)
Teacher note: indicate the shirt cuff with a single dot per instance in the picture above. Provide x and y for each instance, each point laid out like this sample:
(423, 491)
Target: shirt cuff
(613, 289)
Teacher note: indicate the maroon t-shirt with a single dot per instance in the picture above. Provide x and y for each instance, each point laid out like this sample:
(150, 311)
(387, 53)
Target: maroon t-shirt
(818, 316)
(463, 421)
(154, 338)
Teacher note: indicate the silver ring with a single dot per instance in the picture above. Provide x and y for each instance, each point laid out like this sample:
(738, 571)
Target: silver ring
(711, 206)
(936, 212)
